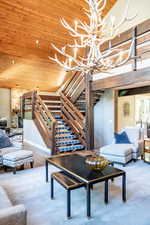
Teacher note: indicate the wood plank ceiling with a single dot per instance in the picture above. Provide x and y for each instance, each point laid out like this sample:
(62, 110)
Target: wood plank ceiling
(27, 27)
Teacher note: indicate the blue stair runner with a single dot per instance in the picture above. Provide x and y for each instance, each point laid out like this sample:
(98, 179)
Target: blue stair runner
(62, 127)
(70, 148)
(65, 138)
(67, 142)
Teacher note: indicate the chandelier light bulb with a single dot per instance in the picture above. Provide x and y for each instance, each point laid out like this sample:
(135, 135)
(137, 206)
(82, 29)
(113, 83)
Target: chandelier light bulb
(90, 36)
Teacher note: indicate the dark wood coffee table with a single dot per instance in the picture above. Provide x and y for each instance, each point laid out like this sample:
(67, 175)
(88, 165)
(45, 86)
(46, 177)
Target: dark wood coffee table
(74, 165)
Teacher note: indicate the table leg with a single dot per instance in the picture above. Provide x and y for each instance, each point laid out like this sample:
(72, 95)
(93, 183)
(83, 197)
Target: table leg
(68, 204)
(106, 192)
(88, 191)
(52, 188)
(46, 167)
(124, 187)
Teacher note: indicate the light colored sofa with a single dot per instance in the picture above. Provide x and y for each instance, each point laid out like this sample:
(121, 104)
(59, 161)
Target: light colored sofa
(123, 153)
(9, 214)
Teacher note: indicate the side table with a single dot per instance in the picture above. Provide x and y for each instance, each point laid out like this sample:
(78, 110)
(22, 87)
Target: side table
(146, 154)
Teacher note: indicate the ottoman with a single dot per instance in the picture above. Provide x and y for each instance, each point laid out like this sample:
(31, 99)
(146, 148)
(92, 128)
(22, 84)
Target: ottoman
(117, 153)
(18, 158)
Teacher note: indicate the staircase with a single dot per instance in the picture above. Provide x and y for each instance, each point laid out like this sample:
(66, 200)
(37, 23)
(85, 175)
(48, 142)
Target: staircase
(65, 137)
(60, 118)
(81, 102)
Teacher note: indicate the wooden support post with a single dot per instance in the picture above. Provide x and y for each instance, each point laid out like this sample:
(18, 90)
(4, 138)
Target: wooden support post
(53, 138)
(89, 123)
(33, 102)
(134, 65)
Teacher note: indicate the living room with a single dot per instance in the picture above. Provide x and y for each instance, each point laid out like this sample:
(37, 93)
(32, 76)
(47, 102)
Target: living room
(75, 133)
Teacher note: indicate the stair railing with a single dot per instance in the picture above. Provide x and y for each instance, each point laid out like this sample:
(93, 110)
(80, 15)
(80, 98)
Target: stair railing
(43, 119)
(75, 86)
(73, 117)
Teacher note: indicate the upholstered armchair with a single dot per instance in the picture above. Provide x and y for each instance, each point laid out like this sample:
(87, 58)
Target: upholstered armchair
(123, 153)
(136, 137)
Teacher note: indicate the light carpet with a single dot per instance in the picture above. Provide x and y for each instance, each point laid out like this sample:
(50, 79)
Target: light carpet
(29, 187)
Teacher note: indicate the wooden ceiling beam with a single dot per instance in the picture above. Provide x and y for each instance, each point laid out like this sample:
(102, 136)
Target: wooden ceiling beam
(130, 78)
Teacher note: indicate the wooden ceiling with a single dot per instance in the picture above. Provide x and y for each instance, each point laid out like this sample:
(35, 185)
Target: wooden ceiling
(24, 60)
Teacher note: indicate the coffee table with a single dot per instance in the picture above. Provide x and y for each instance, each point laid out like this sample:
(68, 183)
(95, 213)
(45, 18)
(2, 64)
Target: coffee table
(74, 165)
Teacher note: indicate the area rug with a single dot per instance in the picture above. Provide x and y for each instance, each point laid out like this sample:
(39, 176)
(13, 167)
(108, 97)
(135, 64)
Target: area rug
(29, 187)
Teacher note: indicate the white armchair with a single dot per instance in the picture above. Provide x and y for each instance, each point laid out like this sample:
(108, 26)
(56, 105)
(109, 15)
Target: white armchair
(123, 153)
(136, 137)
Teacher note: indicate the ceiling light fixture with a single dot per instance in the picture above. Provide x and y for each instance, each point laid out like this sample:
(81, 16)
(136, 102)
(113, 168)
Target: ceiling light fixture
(90, 37)
(37, 42)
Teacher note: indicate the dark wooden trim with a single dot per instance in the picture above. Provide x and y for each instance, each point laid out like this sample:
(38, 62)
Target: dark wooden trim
(135, 91)
(34, 93)
(49, 98)
(27, 95)
(116, 111)
(140, 76)
(89, 124)
(134, 64)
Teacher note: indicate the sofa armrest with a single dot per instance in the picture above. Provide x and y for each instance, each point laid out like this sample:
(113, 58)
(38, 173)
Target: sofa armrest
(14, 215)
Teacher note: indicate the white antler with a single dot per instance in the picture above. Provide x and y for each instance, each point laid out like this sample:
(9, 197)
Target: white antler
(92, 36)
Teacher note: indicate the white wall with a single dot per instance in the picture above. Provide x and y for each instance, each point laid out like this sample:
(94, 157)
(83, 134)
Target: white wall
(32, 136)
(141, 7)
(5, 103)
(104, 119)
(104, 110)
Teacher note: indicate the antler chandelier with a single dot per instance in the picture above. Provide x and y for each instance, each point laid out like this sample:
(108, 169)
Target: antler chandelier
(90, 37)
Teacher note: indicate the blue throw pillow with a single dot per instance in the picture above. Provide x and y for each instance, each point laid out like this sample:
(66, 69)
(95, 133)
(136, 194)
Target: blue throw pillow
(121, 138)
(4, 140)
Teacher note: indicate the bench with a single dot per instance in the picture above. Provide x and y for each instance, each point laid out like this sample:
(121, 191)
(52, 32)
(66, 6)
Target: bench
(69, 183)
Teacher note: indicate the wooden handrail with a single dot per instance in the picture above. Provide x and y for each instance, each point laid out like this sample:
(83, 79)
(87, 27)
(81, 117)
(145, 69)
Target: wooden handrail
(73, 117)
(71, 105)
(28, 94)
(69, 81)
(75, 87)
(48, 122)
(42, 117)
(71, 123)
(39, 100)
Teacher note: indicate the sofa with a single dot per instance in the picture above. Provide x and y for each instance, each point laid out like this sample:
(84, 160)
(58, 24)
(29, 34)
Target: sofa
(11, 214)
(123, 153)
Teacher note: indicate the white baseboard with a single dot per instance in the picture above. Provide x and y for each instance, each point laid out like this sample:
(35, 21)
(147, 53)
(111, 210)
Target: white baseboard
(47, 150)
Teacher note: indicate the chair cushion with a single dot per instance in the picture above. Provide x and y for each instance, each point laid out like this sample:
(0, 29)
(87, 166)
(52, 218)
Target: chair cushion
(117, 149)
(18, 155)
(133, 133)
(121, 138)
(7, 150)
(4, 200)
